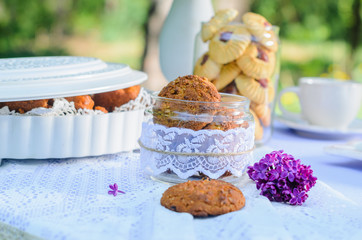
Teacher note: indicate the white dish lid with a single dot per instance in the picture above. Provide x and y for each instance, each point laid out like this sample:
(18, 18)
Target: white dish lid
(32, 78)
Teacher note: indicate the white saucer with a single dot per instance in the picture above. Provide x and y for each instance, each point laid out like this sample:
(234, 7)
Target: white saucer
(352, 149)
(302, 127)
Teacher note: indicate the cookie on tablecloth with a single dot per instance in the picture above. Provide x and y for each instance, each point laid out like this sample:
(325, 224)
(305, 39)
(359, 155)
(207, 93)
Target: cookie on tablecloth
(203, 198)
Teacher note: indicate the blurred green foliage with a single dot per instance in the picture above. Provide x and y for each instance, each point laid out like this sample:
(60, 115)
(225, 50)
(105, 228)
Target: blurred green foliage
(309, 20)
(44, 27)
(22, 22)
(334, 27)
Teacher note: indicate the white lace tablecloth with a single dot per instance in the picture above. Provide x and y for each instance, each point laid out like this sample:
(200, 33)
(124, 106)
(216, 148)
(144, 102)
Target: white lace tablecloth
(68, 199)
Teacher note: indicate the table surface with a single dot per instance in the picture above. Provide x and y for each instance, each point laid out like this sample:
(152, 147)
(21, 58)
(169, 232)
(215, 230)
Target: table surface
(341, 173)
(68, 199)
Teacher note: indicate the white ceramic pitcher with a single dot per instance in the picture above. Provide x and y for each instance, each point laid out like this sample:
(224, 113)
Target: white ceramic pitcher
(178, 36)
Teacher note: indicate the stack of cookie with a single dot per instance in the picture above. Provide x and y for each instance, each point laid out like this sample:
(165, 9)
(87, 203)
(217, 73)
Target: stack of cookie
(241, 60)
(193, 102)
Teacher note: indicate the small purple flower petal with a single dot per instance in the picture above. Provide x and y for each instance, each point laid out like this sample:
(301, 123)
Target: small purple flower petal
(114, 193)
(115, 190)
(291, 177)
(260, 171)
(273, 174)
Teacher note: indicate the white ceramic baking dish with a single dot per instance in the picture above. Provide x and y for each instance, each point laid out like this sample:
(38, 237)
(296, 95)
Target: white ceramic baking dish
(69, 136)
(23, 136)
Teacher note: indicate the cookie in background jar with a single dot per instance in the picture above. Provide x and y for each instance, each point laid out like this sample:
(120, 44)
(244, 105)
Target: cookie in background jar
(247, 53)
(227, 75)
(257, 62)
(259, 131)
(258, 91)
(229, 43)
(220, 19)
(207, 67)
(262, 112)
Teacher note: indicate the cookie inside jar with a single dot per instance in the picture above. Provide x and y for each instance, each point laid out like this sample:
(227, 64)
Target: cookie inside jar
(242, 58)
(196, 132)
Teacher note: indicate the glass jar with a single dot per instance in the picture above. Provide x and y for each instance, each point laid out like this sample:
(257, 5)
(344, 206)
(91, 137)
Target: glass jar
(183, 140)
(238, 62)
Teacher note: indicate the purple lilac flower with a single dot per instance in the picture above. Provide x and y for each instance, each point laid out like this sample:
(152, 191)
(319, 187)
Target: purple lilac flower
(260, 171)
(114, 190)
(298, 197)
(281, 178)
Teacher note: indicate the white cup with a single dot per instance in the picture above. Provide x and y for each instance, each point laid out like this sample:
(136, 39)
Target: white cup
(325, 102)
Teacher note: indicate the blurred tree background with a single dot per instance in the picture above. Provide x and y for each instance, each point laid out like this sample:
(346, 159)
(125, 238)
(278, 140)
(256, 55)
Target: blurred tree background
(109, 29)
(319, 38)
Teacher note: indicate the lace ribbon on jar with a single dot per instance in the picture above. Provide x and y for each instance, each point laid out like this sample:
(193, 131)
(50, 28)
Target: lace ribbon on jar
(187, 152)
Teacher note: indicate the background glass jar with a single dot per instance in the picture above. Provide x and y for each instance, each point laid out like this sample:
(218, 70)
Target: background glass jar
(239, 62)
(183, 139)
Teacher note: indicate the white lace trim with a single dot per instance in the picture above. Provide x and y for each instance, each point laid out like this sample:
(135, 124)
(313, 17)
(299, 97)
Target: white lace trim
(184, 140)
(61, 107)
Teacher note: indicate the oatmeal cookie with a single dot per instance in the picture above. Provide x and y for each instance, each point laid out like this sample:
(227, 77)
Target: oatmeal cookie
(226, 119)
(203, 198)
(192, 88)
(25, 106)
(194, 113)
(111, 100)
